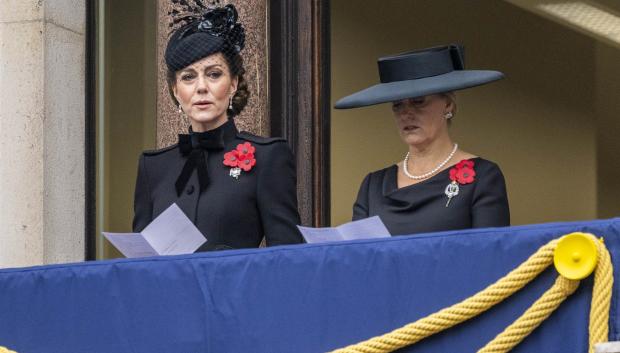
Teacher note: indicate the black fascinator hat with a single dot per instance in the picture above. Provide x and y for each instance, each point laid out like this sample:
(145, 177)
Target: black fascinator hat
(419, 73)
(202, 31)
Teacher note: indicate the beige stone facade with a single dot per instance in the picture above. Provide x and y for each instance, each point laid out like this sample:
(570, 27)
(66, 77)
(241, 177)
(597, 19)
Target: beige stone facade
(41, 131)
(42, 119)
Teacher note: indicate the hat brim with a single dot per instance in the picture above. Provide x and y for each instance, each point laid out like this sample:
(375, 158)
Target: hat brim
(394, 91)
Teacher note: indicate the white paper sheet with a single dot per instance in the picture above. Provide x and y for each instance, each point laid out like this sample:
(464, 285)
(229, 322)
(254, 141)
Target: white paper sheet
(131, 244)
(171, 233)
(368, 228)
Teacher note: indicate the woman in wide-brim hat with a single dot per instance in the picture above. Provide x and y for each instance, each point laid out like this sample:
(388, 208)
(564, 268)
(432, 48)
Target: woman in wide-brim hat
(235, 187)
(436, 186)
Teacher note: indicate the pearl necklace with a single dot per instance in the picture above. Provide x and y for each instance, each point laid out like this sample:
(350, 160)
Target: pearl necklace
(432, 172)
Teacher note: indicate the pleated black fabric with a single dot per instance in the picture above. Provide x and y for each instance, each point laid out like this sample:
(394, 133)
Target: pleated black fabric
(421, 207)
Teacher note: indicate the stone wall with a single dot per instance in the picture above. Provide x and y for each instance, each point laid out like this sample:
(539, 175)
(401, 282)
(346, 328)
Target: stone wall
(41, 131)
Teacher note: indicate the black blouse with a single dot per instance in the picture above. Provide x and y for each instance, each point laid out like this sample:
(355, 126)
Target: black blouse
(421, 207)
(230, 212)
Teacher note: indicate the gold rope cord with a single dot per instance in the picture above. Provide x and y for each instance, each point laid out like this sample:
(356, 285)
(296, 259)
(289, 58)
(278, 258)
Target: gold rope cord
(499, 291)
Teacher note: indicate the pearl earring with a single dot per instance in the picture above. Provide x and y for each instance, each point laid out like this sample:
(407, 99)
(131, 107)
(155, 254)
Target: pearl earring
(180, 109)
(230, 107)
(448, 115)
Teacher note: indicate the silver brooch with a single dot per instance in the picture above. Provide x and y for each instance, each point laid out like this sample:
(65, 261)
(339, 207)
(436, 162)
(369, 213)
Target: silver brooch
(451, 190)
(235, 172)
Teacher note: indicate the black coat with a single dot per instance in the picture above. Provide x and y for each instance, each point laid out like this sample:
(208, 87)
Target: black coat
(421, 207)
(230, 212)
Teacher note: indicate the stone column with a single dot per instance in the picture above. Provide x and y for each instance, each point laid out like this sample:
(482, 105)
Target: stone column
(255, 117)
(41, 131)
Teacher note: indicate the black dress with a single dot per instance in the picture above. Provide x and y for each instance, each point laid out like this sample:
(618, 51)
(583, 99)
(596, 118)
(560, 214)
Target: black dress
(230, 212)
(421, 207)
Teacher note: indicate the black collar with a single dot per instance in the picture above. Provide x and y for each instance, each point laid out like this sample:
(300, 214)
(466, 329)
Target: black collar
(196, 146)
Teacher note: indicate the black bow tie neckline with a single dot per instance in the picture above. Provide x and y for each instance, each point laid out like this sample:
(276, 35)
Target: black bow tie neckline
(196, 146)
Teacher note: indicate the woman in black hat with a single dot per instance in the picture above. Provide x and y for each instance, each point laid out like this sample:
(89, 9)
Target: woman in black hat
(436, 186)
(234, 186)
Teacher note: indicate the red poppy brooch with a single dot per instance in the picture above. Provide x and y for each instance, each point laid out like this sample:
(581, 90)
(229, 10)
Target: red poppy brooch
(462, 173)
(241, 158)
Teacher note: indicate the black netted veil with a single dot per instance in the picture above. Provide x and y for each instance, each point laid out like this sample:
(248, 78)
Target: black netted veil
(201, 30)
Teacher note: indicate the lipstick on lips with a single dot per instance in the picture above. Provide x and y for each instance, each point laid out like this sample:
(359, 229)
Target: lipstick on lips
(409, 128)
(203, 104)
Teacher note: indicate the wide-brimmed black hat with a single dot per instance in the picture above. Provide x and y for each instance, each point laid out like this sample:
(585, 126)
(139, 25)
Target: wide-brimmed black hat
(419, 73)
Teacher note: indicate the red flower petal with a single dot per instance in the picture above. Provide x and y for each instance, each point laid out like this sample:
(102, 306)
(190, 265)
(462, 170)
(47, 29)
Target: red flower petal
(247, 164)
(231, 158)
(465, 163)
(245, 148)
(453, 172)
(242, 157)
(465, 175)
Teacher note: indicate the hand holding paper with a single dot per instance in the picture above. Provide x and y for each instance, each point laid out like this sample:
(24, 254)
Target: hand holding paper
(368, 228)
(171, 233)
